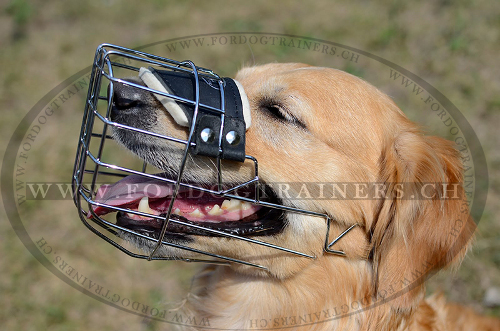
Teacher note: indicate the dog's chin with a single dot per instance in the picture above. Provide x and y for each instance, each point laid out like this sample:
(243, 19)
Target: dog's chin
(184, 243)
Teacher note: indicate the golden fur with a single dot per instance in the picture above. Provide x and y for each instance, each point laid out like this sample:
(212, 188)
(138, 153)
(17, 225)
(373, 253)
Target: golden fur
(353, 133)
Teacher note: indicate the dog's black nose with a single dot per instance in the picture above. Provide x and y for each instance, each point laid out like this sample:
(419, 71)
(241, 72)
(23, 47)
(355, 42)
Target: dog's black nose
(126, 98)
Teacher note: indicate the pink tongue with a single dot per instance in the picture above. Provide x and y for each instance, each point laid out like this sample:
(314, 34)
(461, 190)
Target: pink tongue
(130, 189)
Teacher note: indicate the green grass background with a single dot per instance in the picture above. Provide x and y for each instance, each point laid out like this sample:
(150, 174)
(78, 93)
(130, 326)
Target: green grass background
(454, 45)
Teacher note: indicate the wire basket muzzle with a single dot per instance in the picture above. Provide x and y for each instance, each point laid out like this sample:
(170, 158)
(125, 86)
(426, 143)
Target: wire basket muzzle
(215, 113)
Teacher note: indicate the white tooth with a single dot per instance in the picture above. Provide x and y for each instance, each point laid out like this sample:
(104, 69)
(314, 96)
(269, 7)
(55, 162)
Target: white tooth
(215, 211)
(235, 204)
(177, 211)
(225, 204)
(246, 205)
(196, 213)
(144, 206)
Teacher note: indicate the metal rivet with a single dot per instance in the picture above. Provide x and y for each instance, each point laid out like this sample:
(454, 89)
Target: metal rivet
(233, 138)
(207, 135)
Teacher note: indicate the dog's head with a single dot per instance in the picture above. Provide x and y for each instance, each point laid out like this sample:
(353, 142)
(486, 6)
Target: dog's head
(316, 125)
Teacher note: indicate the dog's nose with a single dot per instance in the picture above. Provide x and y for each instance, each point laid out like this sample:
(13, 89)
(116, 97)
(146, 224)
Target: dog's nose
(125, 97)
(127, 100)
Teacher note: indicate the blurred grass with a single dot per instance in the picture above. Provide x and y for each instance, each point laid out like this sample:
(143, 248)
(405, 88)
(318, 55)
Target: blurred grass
(453, 45)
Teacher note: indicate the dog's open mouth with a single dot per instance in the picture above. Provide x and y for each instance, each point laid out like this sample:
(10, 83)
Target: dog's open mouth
(192, 207)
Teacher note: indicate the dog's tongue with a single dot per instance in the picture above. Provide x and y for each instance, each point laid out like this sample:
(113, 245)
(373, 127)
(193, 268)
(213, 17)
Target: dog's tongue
(129, 190)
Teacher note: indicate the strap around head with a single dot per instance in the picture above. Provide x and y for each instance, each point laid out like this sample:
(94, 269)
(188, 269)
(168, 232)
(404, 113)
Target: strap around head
(208, 124)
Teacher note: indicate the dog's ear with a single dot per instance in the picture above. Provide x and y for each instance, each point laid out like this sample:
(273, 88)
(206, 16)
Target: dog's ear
(424, 223)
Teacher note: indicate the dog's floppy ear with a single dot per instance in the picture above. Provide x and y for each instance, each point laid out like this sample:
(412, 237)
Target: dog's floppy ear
(424, 222)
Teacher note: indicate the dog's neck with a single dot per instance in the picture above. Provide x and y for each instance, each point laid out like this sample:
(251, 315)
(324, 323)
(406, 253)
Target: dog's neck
(229, 299)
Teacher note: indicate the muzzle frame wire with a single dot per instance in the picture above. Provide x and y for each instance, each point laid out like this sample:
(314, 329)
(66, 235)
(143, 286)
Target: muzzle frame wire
(106, 58)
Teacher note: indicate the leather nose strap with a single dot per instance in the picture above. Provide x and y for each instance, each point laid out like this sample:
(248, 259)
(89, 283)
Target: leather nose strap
(208, 122)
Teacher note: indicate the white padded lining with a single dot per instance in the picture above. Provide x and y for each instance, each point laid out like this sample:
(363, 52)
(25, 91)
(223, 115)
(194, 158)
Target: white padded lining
(246, 104)
(170, 105)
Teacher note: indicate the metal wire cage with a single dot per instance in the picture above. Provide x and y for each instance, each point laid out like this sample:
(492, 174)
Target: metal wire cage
(94, 165)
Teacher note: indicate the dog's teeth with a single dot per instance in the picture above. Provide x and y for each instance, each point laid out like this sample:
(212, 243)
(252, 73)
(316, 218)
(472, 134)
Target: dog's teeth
(144, 206)
(196, 213)
(225, 204)
(177, 211)
(235, 204)
(246, 205)
(215, 211)
(129, 215)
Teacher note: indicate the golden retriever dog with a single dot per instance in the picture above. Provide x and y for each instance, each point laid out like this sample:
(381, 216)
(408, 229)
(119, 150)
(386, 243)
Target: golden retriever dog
(319, 125)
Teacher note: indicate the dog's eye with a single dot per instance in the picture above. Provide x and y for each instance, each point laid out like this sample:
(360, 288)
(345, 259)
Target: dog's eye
(277, 112)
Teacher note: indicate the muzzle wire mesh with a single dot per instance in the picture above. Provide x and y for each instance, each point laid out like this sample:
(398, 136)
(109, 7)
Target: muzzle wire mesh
(91, 168)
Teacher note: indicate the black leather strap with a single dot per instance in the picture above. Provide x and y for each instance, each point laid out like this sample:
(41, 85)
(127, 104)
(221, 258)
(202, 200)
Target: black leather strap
(183, 85)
